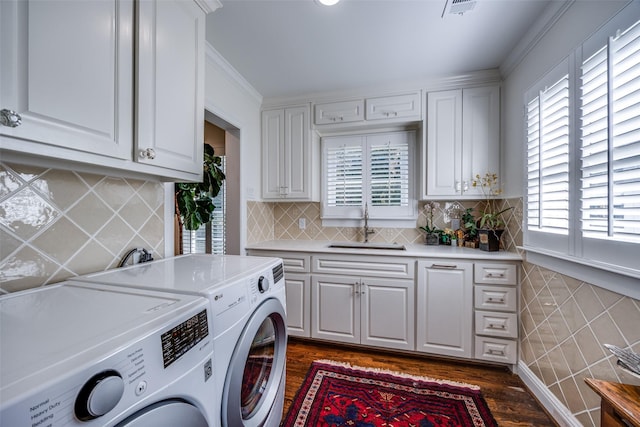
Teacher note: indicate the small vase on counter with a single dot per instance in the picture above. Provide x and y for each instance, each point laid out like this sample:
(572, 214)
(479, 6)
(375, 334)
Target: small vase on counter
(432, 239)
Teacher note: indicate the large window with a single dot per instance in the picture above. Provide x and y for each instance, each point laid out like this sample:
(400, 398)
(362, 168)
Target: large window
(583, 154)
(375, 171)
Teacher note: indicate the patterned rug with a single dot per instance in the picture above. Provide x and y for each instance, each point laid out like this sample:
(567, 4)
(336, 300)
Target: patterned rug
(336, 394)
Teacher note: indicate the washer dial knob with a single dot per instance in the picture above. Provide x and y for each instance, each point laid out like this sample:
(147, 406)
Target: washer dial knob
(263, 284)
(99, 395)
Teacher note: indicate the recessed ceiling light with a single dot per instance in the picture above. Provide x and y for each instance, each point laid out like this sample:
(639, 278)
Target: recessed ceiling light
(328, 2)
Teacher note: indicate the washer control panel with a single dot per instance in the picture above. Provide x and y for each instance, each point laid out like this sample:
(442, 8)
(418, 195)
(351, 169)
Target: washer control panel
(110, 388)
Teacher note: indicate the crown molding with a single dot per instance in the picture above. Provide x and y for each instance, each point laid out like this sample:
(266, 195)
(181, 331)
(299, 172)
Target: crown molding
(209, 5)
(214, 56)
(538, 30)
(474, 78)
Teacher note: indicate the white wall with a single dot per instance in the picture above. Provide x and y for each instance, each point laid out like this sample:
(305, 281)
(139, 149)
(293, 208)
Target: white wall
(579, 21)
(231, 98)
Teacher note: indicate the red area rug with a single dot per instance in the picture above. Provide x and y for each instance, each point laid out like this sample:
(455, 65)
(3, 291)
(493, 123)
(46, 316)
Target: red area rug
(335, 394)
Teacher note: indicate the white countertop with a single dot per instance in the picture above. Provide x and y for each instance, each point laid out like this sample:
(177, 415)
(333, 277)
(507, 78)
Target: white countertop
(412, 250)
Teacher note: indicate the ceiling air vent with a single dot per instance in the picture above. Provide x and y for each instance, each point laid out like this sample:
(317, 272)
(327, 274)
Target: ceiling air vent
(458, 7)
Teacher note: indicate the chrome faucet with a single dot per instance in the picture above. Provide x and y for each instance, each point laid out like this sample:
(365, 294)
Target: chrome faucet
(366, 231)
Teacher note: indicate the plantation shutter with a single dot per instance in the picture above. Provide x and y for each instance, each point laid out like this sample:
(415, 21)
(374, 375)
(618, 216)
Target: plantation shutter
(610, 98)
(389, 171)
(344, 174)
(548, 159)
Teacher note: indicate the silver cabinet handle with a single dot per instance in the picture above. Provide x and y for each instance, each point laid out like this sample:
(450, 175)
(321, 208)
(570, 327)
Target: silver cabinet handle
(444, 266)
(148, 153)
(496, 352)
(10, 118)
(495, 275)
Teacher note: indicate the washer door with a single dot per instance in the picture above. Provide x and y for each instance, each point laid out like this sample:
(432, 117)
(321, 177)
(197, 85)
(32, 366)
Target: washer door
(257, 368)
(167, 413)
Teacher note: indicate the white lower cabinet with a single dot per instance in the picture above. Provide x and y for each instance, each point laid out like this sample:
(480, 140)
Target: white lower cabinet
(445, 308)
(496, 312)
(371, 311)
(298, 291)
(449, 307)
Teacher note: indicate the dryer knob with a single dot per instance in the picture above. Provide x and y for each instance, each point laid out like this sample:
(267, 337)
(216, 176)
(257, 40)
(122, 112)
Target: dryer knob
(263, 284)
(99, 395)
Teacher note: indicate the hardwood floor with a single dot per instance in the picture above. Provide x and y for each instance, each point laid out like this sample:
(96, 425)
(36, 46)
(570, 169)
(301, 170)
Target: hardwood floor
(510, 403)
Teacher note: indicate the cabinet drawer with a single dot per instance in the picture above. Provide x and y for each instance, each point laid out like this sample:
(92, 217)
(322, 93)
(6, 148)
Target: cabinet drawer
(496, 349)
(393, 107)
(293, 262)
(339, 112)
(497, 324)
(496, 274)
(500, 298)
(363, 266)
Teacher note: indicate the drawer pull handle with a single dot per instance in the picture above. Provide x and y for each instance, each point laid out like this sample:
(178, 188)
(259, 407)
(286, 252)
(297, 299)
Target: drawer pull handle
(491, 299)
(496, 352)
(444, 266)
(499, 275)
(492, 326)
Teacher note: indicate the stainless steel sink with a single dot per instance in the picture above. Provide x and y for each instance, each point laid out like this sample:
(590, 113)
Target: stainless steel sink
(368, 245)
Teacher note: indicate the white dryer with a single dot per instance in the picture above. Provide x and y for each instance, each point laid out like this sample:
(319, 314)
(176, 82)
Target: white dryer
(94, 355)
(247, 296)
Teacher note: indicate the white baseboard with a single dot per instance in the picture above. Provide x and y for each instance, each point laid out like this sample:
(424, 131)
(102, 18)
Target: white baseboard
(554, 407)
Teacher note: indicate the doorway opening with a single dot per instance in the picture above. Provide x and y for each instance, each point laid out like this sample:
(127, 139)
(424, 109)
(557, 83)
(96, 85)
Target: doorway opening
(222, 234)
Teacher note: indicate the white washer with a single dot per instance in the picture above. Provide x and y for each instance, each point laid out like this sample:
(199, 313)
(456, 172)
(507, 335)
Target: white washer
(92, 355)
(247, 296)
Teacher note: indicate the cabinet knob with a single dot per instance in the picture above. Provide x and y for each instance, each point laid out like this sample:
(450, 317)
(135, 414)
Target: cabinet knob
(10, 118)
(148, 153)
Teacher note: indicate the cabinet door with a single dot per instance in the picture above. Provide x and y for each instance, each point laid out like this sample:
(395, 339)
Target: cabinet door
(272, 154)
(388, 313)
(170, 81)
(480, 135)
(66, 68)
(298, 288)
(336, 308)
(297, 152)
(286, 154)
(339, 112)
(393, 107)
(445, 308)
(444, 143)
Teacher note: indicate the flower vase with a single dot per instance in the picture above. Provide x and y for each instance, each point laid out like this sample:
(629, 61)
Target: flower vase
(432, 239)
(489, 239)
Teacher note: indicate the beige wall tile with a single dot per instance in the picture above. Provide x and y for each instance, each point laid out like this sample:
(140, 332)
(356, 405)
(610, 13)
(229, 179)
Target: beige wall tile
(57, 224)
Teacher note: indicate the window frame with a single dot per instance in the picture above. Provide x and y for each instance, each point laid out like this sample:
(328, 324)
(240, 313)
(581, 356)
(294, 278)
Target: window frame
(404, 217)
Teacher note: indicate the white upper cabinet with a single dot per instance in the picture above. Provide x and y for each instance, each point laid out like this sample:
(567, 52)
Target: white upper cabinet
(463, 137)
(170, 82)
(339, 112)
(393, 107)
(286, 154)
(67, 69)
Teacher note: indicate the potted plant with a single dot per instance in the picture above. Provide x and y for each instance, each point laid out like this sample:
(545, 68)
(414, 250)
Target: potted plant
(194, 200)
(470, 227)
(491, 224)
(432, 233)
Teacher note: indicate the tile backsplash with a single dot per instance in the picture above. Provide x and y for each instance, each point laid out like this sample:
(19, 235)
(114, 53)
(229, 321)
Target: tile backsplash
(267, 221)
(57, 224)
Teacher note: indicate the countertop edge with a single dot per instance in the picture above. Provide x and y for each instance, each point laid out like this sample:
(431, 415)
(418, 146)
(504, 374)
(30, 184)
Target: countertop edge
(413, 250)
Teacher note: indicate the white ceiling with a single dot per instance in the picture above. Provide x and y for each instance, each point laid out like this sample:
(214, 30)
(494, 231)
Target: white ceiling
(288, 48)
